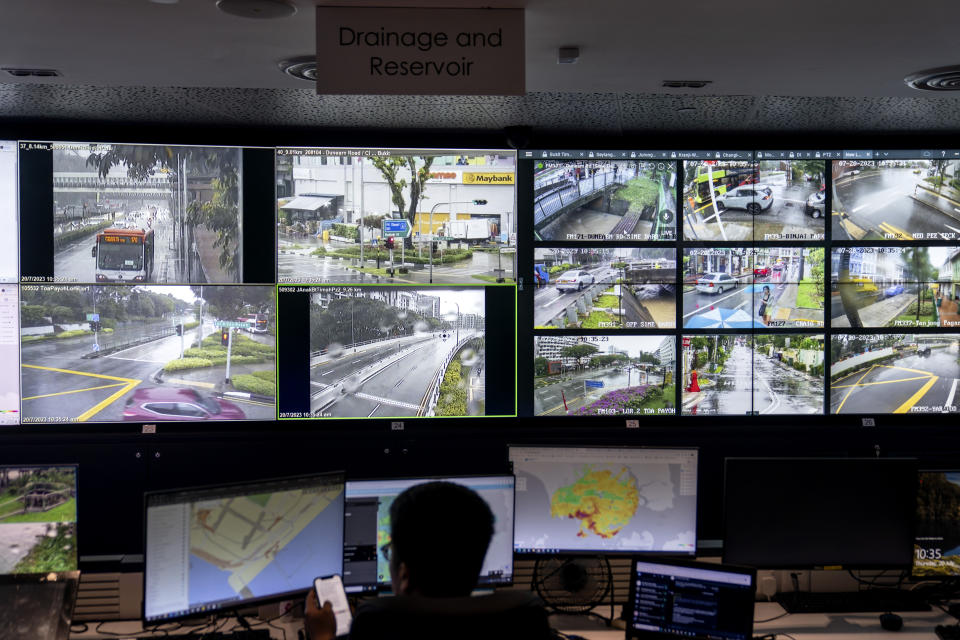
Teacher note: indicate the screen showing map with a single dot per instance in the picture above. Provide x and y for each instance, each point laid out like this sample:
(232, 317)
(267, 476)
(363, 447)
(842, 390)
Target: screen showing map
(38, 519)
(214, 548)
(593, 499)
(367, 528)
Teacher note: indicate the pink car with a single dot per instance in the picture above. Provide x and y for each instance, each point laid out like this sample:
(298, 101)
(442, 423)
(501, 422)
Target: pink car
(172, 403)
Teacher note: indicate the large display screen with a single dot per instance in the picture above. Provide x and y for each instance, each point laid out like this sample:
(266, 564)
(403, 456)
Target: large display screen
(936, 550)
(38, 519)
(9, 220)
(605, 500)
(208, 549)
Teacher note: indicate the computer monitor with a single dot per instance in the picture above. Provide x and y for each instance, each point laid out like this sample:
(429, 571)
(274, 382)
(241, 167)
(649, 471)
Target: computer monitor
(605, 500)
(222, 547)
(936, 552)
(675, 598)
(38, 519)
(367, 529)
(814, 512)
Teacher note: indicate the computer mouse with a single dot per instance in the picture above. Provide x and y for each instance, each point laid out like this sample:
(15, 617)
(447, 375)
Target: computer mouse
(891, 622)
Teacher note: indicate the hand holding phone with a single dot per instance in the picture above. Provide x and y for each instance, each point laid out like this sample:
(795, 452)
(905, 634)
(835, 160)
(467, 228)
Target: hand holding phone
(330, 589)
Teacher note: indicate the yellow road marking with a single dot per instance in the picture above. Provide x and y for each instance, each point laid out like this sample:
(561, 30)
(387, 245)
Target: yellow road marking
(842, 402)
(867, 384)
(63, 393)
(899, 233)
(130, 383)
(244, 401)
(906, 406)
(192, 383)
(919, 371)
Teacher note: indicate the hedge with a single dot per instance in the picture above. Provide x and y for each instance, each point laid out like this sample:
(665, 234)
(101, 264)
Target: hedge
(253, 384)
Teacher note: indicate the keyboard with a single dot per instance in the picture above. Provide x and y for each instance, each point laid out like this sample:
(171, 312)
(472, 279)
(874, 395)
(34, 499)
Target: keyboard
(239, 634)
(948, 631)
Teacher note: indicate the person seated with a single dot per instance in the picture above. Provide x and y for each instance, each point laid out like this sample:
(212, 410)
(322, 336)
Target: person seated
(439, 534)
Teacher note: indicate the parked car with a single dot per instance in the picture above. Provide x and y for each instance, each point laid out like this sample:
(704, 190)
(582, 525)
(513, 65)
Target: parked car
(752, 197)
(716, 282)
(574, 280)
(172, 403)
(893, 290)
(815, 204)
(761, 271)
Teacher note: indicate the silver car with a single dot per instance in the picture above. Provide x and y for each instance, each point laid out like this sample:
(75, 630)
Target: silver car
(752, 197)
(574, 280)
(716, 282)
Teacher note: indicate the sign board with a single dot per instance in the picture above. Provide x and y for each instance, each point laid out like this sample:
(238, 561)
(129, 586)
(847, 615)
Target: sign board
(399, 228)
(686, 341)
(230, 324)
(93, 317)
(504, 237)
(420, 51)
(595, 384)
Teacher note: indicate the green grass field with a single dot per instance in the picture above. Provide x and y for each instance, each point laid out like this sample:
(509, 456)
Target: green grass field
(807, 295)
(66, 512)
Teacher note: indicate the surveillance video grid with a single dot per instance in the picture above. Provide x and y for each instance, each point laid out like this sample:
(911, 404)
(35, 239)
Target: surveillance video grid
(604, 375)
(147, 353)
(601, 287)
(755, 374)
(901, 200)
(894, 373)
(397, 351)
(604, 200)
(451, 215)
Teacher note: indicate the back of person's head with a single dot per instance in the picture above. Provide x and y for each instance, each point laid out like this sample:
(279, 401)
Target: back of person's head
(440, 531)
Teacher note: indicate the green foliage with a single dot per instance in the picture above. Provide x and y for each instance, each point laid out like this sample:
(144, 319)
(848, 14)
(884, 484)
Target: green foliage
(560, 268)
(453, 391)
(345, 231)
(815, 260)
(809, 294)
(618, 265)
(51, 553)
(581, 350)
(267, 374)
(540, 366)
(187, 363)
(389, 169)
(640, 192)
(254, 384)
(66, 512)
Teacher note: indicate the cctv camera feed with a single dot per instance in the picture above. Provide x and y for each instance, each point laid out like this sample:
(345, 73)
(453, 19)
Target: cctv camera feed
(743, 200)
(9, 241)
(604, 288)
(903, 199)
(739, 288)
(137, 213)
(408, 216)
(610, 375)
(894, 373)
(937, 545)
(754, 374)
(895, 286)
(604, 200)
(401, 351)
(147, 353)
(605, 500)
(38, 519)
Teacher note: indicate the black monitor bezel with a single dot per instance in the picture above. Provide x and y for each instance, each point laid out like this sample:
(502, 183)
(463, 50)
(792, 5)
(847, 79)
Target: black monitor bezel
(226, 486)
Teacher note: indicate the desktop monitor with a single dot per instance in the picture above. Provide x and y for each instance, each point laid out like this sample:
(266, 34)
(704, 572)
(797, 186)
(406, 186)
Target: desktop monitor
(605, 500)
(38, 519)
(223, 547)
(367, 529)
(676, 598)
(813, 512)
(937, 544)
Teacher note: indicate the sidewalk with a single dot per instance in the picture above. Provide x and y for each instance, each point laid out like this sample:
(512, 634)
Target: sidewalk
(786, 309)
(949, 313)
(880, 314)
(941, 203)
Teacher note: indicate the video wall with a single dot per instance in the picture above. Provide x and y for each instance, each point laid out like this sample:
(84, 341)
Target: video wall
(148, 282)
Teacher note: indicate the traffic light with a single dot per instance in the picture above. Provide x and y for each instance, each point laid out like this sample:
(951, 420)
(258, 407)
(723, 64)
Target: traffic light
(93, 326)
(433, 247)
(479, 202)
(225, 337)
(179, 329)
(390, 242)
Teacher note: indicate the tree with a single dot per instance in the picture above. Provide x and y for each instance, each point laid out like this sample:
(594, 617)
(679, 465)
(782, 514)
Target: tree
(815, 260)
(228, 302)
(390, 167)
(540, 366)
(581, 350)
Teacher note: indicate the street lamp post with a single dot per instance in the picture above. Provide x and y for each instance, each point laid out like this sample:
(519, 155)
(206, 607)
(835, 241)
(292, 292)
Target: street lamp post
(458, 321)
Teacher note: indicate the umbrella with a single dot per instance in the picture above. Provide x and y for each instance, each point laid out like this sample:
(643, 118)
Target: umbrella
(721, 318)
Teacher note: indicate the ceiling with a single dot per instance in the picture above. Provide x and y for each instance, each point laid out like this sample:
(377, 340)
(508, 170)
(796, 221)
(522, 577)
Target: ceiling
(813, 66)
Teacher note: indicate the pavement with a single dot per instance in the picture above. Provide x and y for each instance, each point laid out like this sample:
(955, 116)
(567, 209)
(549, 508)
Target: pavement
(910, 384)
(877, 314)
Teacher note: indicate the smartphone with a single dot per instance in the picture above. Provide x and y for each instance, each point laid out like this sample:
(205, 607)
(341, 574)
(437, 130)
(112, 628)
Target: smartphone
(330, 589)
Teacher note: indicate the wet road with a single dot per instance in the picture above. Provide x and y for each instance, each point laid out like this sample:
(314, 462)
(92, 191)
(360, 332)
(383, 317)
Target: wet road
(696, 302)
(753, 382)
(16, 541)
(549, 400)
(914, 383)
(297, 265)
(879, 201)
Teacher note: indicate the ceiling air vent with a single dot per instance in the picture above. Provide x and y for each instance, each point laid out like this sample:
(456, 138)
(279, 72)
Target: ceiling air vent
(32, 73)
(685, 84)
(939, 79)
(302, 67)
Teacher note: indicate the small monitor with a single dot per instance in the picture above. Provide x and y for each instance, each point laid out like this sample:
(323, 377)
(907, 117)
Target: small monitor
(367, 529)
(675, 598)
(936, 552)
(816, 512)
(605, 500)
(222, 547)
(38, 519)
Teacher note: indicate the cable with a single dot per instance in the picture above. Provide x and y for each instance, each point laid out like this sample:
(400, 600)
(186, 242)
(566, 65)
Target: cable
(782, 615)
(84, 628)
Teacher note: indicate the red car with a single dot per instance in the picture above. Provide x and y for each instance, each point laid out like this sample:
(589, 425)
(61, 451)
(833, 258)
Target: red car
(172, 403)
(761, 271)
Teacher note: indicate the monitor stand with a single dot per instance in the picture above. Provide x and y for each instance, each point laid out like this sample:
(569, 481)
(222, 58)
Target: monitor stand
(868, 601)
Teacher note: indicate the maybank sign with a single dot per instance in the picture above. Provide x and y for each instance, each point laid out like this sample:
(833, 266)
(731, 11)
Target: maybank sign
(376, 50)
(472, 177)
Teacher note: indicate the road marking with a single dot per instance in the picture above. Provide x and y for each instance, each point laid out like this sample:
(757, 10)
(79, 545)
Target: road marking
(919, 371)
(103, 404)
(900, 234)
(912, 400)
(393, 403)
(842, 402)
(868, 384)
(952, 228)
(245, 401)
(949, 402)
(369, 415)
(63, 393)
(139, 360)
(191, 383)
(714, 303)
